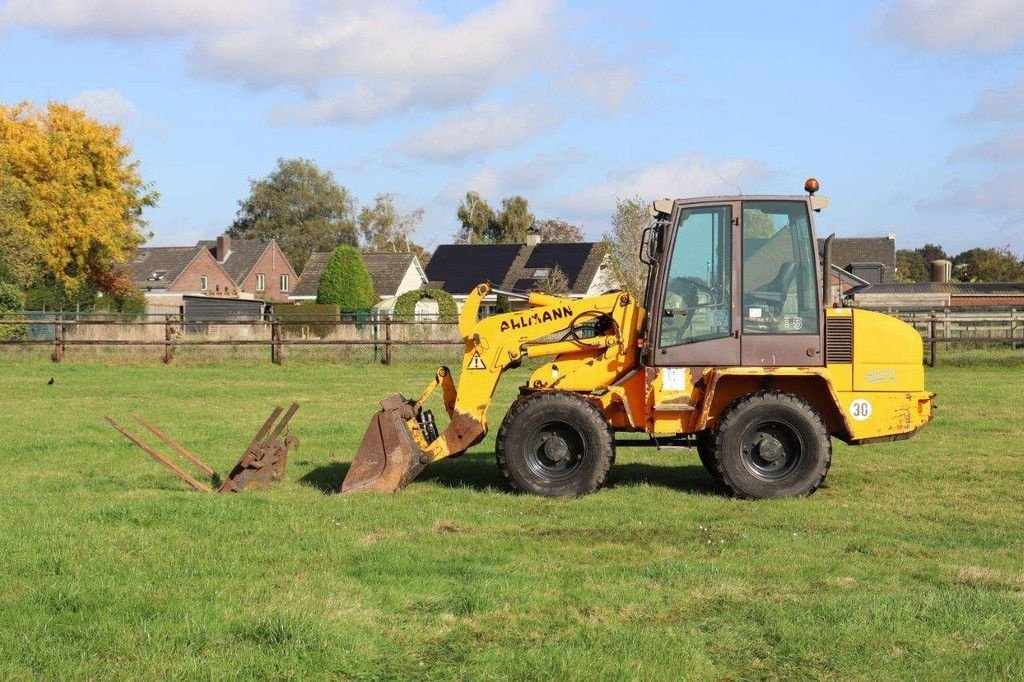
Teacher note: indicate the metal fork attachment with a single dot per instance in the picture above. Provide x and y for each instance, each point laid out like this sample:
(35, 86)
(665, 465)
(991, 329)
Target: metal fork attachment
(262, 463)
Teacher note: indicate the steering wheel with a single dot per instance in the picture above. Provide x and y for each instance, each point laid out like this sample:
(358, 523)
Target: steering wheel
(677, 320)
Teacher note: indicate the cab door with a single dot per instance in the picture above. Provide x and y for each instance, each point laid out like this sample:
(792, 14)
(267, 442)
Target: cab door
(694, 316)
(780, 310)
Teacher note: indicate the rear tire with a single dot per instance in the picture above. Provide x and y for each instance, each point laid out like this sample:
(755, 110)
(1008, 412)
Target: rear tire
(706, 452)
(555, 444)
(772, 444)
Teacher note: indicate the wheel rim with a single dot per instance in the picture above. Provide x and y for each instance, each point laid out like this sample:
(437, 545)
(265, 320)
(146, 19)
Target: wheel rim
(771, 450)
(554, 451)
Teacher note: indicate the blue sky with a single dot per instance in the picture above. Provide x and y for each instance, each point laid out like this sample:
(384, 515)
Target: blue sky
(910, 112)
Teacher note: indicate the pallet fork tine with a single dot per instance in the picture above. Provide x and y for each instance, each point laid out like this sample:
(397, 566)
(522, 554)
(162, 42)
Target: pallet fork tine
(203, 466)
(160, 458)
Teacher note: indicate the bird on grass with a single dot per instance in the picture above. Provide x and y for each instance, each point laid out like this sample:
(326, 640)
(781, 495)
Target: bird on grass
(50, 382)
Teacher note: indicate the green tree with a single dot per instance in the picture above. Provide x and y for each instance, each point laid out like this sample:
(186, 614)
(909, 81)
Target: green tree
(514, 221)
(911, 266)
(988, 265)
(346, 282)
(622, 245)
(12, 302)
(478, 220)
(558, 231)
(931, 253)
(383, 227)
(481, 224)
(302, 207)
(73, 198)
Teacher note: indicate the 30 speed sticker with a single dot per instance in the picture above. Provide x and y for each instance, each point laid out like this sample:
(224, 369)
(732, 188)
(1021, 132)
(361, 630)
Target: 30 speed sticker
(860, 409)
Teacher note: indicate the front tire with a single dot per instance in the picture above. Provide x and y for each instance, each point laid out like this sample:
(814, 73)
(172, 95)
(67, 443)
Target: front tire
(772, 444)
(555, 444)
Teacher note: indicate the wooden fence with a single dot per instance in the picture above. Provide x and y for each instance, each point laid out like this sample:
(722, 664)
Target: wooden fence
(381, 340)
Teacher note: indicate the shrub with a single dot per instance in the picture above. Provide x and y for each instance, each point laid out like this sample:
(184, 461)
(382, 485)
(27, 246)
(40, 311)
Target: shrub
(405, 306)
(12, 302)
(132, 303)
(346, 282)
(306, 320)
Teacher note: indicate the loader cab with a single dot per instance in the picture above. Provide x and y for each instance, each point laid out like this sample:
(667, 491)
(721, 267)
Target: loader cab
(735, 281)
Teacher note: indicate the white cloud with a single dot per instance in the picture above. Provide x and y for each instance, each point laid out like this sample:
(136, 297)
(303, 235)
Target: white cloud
(996, 194)
(480, 129)
(684, 176)
(109, 106)
(353, 61)
(987, 26)
(524, 177)
(134, 19)
(998, 104)
(1007, 148)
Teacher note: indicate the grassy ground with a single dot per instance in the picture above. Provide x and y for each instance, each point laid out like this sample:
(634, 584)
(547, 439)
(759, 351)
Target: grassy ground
(907, 564)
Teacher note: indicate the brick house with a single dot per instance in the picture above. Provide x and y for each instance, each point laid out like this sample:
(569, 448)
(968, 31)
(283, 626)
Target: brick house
(167, 273)
(258, 268)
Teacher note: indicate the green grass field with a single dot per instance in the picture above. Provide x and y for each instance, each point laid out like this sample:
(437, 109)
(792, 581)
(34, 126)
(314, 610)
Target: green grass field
(909, 562)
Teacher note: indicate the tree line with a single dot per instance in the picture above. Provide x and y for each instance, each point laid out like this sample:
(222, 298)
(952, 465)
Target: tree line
(972, 265)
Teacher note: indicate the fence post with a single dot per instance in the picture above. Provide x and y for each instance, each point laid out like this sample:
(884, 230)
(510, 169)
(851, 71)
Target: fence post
(168, 352)
(277, 347)
(934, 345)
(58, 339)
(387, 340)
(1013, 329)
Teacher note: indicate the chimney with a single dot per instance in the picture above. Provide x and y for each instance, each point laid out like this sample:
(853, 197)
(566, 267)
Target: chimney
(942, 270)
(223, 248)
(533, 238)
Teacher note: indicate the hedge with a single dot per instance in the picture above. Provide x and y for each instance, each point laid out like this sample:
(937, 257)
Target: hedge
(405, 306)
(308, 319)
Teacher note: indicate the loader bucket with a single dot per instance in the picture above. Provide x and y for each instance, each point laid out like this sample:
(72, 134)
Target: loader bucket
(388, 458)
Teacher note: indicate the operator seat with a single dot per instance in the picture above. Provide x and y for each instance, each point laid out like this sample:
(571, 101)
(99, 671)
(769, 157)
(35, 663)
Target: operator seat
(774, 293)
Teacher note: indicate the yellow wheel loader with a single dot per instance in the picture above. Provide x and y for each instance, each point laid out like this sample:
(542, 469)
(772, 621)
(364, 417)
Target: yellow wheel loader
(736, 351)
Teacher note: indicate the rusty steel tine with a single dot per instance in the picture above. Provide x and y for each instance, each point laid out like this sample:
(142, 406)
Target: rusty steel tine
(206, 469)
(158, 457)
(258, 438)
(284, 422)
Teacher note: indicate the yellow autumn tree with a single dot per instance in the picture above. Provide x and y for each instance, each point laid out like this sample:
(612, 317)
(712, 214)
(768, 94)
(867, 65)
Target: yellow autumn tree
(74, 195)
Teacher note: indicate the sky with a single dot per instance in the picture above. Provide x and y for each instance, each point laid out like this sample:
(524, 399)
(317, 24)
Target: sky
(909, 112)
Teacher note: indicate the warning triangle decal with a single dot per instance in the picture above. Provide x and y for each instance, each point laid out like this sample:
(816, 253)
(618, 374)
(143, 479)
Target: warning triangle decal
(476, 362)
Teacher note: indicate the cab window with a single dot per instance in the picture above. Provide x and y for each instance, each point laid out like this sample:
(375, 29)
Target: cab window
(780, 294)
(698, 289)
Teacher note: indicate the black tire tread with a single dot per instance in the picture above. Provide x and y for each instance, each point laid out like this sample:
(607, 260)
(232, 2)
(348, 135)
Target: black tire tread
(568, 399)
(737, 409)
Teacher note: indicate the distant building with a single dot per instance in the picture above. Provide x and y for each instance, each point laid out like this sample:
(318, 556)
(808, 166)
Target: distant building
(870, 260)
(393, 274)
(457, 268)
(258, 268)
(932, 295)
(167, 273)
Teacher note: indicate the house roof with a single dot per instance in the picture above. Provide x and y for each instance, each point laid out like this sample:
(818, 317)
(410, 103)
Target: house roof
(387, 270)
(242, 256)
(462, 266)
(951, 288)
(849, 250)
(457, 268)
(311, 274)
(157, 267)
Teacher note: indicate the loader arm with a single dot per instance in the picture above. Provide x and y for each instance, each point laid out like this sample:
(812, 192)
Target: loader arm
(398, 444)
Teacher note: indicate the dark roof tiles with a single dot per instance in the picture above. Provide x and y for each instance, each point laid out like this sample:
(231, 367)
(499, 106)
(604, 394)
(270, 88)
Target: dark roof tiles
(242, 256)
(156, 267)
